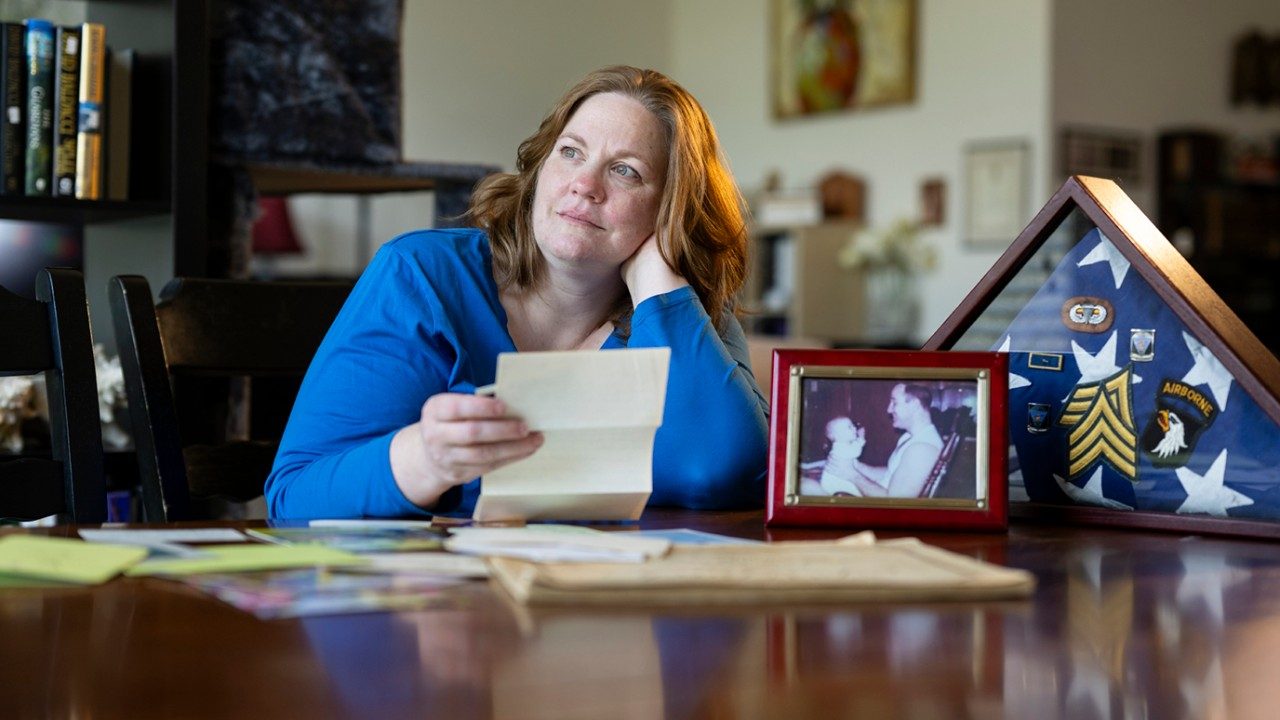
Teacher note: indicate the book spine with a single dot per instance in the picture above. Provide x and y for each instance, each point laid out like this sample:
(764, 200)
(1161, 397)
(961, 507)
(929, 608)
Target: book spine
(119, 129)
(39, 159)
(93, 46)
(13, 96)
(68, 94)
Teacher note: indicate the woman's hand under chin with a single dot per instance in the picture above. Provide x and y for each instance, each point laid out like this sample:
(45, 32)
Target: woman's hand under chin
(646, 274)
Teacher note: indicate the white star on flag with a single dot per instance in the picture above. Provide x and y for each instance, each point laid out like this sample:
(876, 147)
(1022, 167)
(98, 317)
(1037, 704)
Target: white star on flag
(1206, 494)
(1015, 380)
(1094, 368)
(1108, 253)
(1207, 371)
(1091, 493)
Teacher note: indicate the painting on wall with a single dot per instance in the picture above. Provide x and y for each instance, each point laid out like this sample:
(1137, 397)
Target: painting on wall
(835, 55)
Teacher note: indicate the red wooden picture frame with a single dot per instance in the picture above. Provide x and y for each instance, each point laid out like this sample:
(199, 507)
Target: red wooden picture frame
(833, 406)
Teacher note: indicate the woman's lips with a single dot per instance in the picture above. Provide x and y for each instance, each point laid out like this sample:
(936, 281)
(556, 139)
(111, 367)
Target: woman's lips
(576, 219)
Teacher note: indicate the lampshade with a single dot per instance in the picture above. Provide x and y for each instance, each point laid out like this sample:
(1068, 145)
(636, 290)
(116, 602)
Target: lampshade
(273, 231)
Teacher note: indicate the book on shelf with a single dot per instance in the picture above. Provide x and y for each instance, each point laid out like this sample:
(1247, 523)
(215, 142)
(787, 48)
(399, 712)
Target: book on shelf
(120, 67)
(93, 39)
(67, 94)
(39, 136)
(13, 95)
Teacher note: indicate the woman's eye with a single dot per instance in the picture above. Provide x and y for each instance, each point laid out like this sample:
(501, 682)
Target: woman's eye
(568, 152)
(626, 171)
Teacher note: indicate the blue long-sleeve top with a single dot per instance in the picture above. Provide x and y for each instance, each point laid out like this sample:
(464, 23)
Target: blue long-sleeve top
(425, 318)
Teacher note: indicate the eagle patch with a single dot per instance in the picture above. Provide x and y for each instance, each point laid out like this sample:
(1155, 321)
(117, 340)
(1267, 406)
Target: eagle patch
(1182, 415)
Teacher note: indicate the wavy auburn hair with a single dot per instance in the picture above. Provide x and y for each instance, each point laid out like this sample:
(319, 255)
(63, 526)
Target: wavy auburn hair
(701, 224)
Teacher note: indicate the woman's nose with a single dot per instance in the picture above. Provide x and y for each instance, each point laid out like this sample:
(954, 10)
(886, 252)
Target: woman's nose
(587, 184)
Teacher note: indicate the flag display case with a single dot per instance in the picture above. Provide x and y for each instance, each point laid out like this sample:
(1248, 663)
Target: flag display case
(1136, 397)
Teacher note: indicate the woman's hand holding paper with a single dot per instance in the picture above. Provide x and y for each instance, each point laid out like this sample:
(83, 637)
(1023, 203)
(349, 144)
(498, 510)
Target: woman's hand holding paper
(458, 438)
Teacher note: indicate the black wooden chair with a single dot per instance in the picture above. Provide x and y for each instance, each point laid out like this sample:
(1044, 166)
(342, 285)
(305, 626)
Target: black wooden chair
(51, 334)
(203, 337)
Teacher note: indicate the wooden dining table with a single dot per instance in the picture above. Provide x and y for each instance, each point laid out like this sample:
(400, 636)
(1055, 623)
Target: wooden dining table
(1122, 624)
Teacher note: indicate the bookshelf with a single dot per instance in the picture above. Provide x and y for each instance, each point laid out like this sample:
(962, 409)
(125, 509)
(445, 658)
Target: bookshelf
(1232, 223)
(168, 155)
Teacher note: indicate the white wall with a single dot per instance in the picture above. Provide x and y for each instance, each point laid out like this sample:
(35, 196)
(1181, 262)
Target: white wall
(1152, 65)
(982, 73)
(480, 74)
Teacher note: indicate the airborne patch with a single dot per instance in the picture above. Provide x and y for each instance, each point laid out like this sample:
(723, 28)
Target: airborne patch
(1100, 416)
(1182, 414)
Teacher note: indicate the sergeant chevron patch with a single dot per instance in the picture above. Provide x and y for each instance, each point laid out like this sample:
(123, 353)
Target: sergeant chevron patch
(1102, 429)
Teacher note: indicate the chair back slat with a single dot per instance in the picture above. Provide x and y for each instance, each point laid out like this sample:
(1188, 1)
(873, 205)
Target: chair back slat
(74, 425)
(245, 327)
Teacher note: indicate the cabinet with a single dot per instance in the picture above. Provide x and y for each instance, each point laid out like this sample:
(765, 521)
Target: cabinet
(1227, 224)
(795, 286)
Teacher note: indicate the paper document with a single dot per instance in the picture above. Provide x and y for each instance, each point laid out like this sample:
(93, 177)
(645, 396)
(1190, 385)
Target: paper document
(247, 558)
(855, 569)
(168, 542)
(598, 412)
(64, 560)
(551, 545)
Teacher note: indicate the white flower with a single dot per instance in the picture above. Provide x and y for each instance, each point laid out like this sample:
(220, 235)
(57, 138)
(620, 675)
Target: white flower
(897, 246)
(17, 403)
(112, 403)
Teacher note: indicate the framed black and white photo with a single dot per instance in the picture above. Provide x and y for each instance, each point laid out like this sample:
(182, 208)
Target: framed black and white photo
(887, 438)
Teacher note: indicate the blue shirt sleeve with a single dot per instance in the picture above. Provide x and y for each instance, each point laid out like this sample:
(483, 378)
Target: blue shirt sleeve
(379, 361)
(711, 451)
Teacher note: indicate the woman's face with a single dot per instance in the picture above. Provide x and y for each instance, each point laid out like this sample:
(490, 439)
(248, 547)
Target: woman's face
(598, 192)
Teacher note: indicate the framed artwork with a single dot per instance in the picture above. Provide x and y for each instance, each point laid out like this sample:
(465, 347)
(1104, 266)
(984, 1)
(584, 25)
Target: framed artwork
(1136, 397)
(841, 55)
(878, 438)
(996, 178)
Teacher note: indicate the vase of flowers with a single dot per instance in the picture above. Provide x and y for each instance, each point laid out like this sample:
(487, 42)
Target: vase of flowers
(891, 261)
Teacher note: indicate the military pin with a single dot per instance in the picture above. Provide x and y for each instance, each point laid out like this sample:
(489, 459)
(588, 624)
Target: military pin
(1044, 361)
(1142, 345)
(1037, 417)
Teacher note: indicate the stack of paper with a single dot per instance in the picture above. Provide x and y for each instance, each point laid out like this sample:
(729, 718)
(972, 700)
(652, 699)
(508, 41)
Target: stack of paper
(852, 570)
(554, 544)
(598, 412)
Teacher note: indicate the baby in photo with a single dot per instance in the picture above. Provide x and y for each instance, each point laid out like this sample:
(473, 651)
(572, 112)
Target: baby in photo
(847, 440)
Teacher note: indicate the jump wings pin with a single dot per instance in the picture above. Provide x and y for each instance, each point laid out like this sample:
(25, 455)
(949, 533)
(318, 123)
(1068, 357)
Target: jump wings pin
(1100, 416)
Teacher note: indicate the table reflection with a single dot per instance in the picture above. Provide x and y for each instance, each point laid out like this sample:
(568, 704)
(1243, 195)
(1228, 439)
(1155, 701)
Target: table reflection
(1130, 630)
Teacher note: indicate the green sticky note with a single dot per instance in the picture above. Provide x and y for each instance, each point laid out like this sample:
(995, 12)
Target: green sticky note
(63, 559)
(247, 558)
